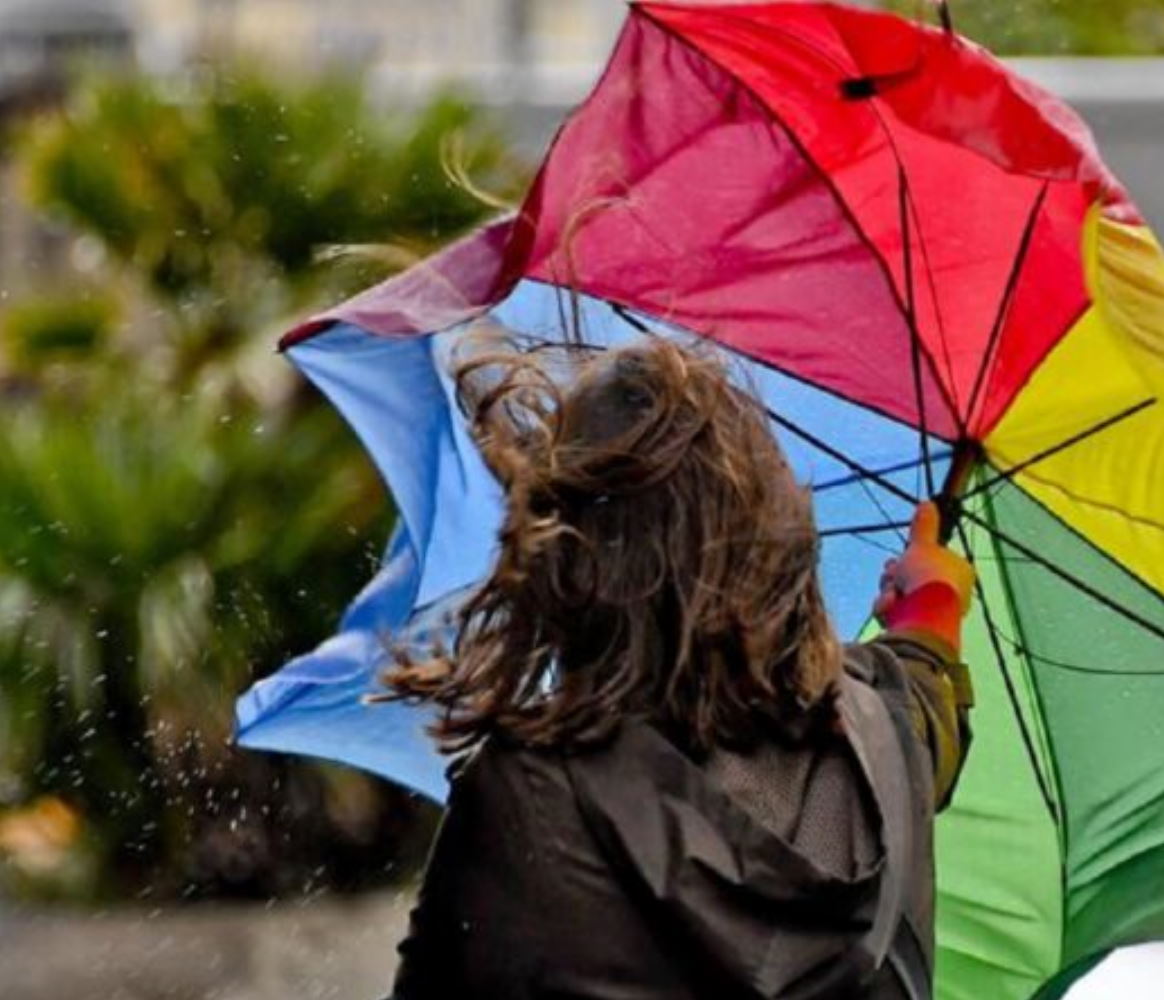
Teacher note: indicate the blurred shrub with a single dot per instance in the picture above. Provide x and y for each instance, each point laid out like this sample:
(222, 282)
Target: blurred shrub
(38, 332)
(1057, 27)
(221, 200)
(178, 513)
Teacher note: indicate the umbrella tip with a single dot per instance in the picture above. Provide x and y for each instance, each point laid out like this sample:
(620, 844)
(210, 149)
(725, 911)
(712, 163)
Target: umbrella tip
(946, 16)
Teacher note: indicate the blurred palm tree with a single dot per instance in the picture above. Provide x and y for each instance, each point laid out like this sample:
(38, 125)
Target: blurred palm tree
(222, 201)
(178, 514)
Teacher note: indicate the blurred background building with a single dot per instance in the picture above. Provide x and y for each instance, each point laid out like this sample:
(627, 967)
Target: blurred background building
(39, 39)
(534, 58)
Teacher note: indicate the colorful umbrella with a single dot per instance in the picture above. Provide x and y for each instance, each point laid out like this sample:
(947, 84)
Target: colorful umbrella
(920, 264)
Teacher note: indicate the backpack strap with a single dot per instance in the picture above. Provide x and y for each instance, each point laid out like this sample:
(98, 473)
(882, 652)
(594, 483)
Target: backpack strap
(869, 690)
(878, 749)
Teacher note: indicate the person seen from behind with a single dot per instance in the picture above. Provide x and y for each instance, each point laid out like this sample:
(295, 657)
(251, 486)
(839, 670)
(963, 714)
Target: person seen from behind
(674, 780)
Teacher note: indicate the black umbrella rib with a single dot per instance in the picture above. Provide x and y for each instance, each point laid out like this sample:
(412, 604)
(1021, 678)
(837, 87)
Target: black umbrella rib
(1070, 578)
(864, 529)
(845, 209)
(630, 318)
(915, 346)
(1074, 668)
(849, 480)
(867, 475)
(993, 631)
(1108, 507)
(864, 473)
(950, 395)
(624, 313)
(1006, 584)
(1005, 303)
(1008, 474)
(538, 343)
(876, 501)
(946, 16)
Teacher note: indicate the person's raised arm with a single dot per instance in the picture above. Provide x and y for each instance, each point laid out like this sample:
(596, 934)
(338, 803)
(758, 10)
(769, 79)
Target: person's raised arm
(925, 595)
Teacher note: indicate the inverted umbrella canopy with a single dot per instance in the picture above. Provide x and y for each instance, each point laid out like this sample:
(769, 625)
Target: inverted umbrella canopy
(919, 263)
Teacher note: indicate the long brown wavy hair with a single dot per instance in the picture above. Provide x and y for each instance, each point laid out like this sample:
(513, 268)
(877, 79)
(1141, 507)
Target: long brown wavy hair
(657, 560)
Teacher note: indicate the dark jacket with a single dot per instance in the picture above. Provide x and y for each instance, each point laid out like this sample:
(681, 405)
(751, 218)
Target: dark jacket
(628, 872)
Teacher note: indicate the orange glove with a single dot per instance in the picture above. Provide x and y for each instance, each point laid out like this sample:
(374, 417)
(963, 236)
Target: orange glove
(929, 588)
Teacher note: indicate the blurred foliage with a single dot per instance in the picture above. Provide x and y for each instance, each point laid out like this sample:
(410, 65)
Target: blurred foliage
(179, 513)
(40, 331)
(224, 212)
(1056, 27)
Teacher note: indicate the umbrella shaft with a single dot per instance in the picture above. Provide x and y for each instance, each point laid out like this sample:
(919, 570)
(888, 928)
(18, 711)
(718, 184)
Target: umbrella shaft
(967, 455)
